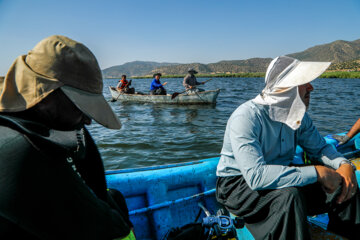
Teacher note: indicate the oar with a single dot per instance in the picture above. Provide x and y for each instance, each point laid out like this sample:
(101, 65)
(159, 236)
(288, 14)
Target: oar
(208, 80)
(175, 94)
(115, 99)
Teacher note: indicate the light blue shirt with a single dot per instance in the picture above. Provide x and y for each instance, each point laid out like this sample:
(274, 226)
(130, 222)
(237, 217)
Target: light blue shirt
(261, 149)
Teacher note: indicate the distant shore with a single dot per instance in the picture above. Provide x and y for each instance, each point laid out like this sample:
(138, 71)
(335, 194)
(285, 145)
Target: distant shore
(340, 74)
(333, 74)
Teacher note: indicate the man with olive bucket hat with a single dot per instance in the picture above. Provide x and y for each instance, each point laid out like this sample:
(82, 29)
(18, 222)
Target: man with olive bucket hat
(257, 179)
(190, 82)
(51, 174)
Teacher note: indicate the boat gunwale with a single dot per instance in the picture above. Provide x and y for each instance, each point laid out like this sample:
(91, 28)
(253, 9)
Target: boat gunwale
(150, 95)
(209, 96)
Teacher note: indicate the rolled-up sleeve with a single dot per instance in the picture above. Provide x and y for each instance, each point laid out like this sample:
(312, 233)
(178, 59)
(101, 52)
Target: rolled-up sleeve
(316, 147)
(244, 137)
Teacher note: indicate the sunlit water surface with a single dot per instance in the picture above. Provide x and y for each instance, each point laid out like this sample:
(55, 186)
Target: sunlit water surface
(161, 134)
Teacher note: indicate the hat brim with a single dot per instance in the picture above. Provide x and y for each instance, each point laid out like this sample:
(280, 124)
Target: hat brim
(94, 106)
(303, 73)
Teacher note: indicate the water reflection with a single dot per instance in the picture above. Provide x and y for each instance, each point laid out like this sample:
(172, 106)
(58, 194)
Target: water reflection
(160, 134)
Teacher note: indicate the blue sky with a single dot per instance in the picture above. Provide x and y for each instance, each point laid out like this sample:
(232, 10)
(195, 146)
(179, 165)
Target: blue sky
(177, 31)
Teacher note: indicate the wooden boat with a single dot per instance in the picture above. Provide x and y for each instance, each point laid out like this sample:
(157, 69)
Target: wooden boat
(205, 97)
(163, 197)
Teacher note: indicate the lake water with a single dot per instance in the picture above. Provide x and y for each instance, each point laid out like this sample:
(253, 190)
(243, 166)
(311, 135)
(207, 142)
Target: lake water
(161, 134)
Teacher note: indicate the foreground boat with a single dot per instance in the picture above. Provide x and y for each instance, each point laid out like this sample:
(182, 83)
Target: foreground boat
(206, 97)
(162, 197)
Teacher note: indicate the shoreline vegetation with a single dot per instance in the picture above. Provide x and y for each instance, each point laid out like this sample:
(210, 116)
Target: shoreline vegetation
(332, 74)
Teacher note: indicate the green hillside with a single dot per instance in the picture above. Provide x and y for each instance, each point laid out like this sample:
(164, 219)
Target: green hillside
(353, 65)
(338, 51)
(136, 68)
(344, 55)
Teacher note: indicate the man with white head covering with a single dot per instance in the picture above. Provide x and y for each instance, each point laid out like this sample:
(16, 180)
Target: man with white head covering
(256, 177)
(51, 174)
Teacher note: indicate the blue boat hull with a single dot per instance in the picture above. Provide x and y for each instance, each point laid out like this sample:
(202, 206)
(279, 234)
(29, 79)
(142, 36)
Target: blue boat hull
(162, 197)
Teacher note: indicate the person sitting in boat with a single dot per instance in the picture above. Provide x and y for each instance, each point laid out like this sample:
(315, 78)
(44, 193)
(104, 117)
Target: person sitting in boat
(355, 129)
(156, 88)
(124, 86)
(256, 178)
(52, 177)
(190, 82)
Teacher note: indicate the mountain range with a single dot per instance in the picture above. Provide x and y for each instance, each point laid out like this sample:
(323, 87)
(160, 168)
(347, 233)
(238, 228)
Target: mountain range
(136, 68)
(337, 52)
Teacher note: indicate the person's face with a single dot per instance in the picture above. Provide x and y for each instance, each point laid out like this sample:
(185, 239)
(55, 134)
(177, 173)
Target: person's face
(304, 93)
(60, 113)
(157, 77)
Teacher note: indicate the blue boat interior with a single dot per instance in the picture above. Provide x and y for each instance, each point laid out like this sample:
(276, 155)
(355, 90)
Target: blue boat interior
(162, 197)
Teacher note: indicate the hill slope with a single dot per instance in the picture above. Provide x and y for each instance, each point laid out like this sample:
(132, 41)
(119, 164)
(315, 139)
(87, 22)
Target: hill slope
(353, 65)
(136, 68)
(235, 66)
(338, 51)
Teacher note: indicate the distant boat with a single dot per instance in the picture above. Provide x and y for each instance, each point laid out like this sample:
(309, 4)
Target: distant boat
(205, 97)
(160, 198)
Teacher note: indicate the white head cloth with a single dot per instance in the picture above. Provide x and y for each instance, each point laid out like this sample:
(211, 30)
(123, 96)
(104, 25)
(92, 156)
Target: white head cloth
(282, 77)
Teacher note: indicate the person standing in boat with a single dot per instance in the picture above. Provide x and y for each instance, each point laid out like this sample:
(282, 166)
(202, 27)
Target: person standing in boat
(51, 173)
(190, 82)
(156, 87)
(124, 86)
(256, 177)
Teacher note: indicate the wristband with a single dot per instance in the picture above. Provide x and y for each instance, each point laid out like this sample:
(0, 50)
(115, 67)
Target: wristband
(348, 162)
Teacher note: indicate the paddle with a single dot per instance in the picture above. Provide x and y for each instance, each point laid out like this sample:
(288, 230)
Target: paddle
(115, 99)
(175, 94)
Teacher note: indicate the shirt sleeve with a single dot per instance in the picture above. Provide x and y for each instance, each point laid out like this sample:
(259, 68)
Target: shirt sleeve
(315, 145)
(196, 82)
(259, 175)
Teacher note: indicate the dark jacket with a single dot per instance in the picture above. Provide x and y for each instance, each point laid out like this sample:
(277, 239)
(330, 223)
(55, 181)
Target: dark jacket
(42, 197)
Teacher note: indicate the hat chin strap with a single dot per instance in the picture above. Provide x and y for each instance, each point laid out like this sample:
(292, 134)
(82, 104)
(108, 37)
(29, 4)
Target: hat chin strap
(285, 106)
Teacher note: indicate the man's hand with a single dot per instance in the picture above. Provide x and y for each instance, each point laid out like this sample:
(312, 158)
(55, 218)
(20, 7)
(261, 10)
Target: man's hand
(342, 139)
(349, 183)
(164, 83)
(203, 83)
(328, 178)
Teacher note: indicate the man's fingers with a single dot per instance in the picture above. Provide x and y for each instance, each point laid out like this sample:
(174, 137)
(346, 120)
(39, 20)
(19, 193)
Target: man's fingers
(353, 189)
(344, 192)
(347, 192)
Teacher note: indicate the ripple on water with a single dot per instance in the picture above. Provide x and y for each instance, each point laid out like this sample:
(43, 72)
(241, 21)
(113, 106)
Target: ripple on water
(160, 134)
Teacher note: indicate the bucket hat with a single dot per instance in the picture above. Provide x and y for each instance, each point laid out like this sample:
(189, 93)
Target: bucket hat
(157, 74)
(57, 62)
(191, 70)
